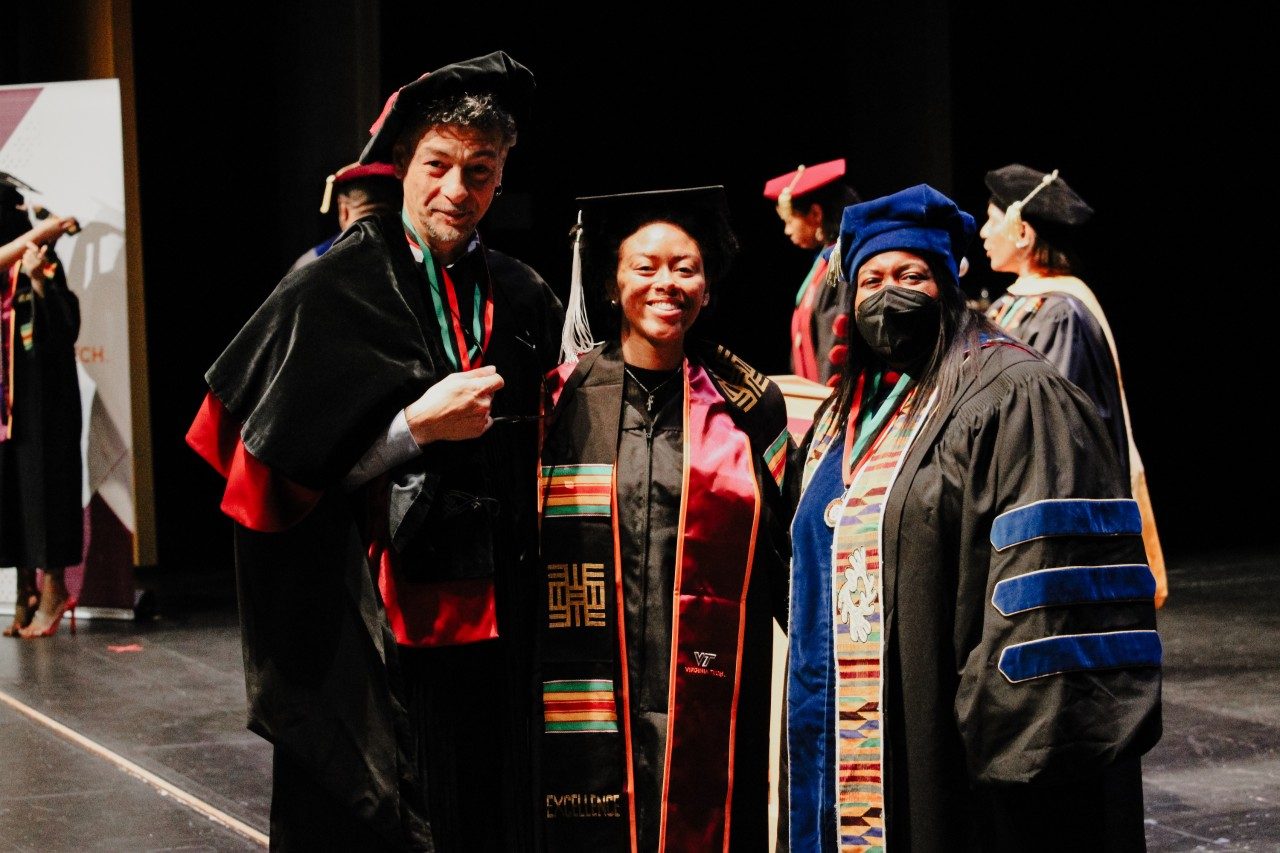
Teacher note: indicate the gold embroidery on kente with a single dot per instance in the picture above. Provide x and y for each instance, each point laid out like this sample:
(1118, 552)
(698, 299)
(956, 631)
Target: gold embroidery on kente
(584, 805)
(575, 595)
(742, 384)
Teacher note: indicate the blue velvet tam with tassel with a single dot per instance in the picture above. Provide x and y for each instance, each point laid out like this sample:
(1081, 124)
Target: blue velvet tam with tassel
(918, 219)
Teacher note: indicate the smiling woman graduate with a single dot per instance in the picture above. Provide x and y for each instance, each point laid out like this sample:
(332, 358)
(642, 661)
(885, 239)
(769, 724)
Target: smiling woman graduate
(664, 548)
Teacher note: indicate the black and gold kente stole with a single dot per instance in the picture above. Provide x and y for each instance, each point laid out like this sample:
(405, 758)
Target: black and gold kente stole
(587, 783)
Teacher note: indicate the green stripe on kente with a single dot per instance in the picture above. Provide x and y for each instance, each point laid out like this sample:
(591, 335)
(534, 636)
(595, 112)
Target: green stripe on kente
(578, 509)
(592, 686)
(584, 726)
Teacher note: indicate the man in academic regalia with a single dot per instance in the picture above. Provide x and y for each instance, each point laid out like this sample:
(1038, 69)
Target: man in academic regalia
(377, 423)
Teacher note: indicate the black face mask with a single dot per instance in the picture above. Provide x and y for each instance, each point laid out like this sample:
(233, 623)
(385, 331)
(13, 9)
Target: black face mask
(900, 324)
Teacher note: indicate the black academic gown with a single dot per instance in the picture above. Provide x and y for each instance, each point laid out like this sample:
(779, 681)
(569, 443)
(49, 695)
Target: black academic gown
(41, 515)
(827, 321)
(315, 376)
(1064, 331)
(469, 703)
(649, 489)
(973, 761)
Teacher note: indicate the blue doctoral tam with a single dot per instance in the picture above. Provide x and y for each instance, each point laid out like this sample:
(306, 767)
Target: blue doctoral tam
(918, 219)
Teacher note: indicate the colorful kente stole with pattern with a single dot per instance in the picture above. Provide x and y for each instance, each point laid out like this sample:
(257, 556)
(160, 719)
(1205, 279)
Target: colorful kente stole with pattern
(858, 619)
(1015, 311)
(587, 777)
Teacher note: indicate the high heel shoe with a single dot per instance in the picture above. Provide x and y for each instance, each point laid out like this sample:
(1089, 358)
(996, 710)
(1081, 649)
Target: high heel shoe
(69, 604)
(23, 613)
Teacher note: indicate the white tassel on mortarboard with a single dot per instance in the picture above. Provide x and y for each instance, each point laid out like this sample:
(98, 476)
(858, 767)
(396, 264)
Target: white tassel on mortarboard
(835, 263)
(576, 338)
(1013, 216)
(328, 193)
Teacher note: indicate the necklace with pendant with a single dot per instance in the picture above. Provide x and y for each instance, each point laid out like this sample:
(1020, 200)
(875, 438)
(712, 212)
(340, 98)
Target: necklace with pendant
(648, 404)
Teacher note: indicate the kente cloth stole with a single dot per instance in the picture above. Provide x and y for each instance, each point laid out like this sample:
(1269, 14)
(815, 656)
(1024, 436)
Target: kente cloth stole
(587, 785)
(1017, 311)
(875, 399)
(802, 352)
(859, 641)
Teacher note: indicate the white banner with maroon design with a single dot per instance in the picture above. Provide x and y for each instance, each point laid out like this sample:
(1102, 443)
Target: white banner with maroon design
(64, 140)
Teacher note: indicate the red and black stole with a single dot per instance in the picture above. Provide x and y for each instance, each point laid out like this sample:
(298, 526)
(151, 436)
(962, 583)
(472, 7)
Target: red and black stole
(587, 782)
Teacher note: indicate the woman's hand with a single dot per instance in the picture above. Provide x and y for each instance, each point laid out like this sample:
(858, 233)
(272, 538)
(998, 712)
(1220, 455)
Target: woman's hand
(49, 229)
(455, 408)
(44, 233)
(34, 262)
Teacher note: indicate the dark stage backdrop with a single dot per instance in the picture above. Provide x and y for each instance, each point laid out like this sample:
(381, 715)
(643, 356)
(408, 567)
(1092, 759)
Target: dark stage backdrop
(242, 117)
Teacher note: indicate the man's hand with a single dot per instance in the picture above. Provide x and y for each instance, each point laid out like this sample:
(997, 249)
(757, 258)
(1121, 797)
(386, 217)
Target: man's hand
(455, 408)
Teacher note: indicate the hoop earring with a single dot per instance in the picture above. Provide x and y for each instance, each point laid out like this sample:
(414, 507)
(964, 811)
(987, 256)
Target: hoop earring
(498, 190)
(820, 235)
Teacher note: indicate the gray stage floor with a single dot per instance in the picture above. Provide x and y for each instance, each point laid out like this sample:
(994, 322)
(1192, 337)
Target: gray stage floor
(167, 695)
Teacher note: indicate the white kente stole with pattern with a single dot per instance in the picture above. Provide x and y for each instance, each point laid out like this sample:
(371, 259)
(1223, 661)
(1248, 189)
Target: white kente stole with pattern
(859, 641)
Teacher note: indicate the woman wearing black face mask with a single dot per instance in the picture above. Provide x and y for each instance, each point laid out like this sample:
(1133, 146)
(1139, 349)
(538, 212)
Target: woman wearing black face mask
(973, 660)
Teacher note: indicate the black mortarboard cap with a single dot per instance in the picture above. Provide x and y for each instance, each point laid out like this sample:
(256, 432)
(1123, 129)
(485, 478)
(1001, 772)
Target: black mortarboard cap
(1055, 204)
(13, 222)
(604, 221)
(17, 183)
(496, 74)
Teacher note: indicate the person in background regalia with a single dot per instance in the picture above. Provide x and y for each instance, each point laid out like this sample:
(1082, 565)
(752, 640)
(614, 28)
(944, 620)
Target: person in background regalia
(1033, 228)
(41, 470)
(809, 202)
(359, 190)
